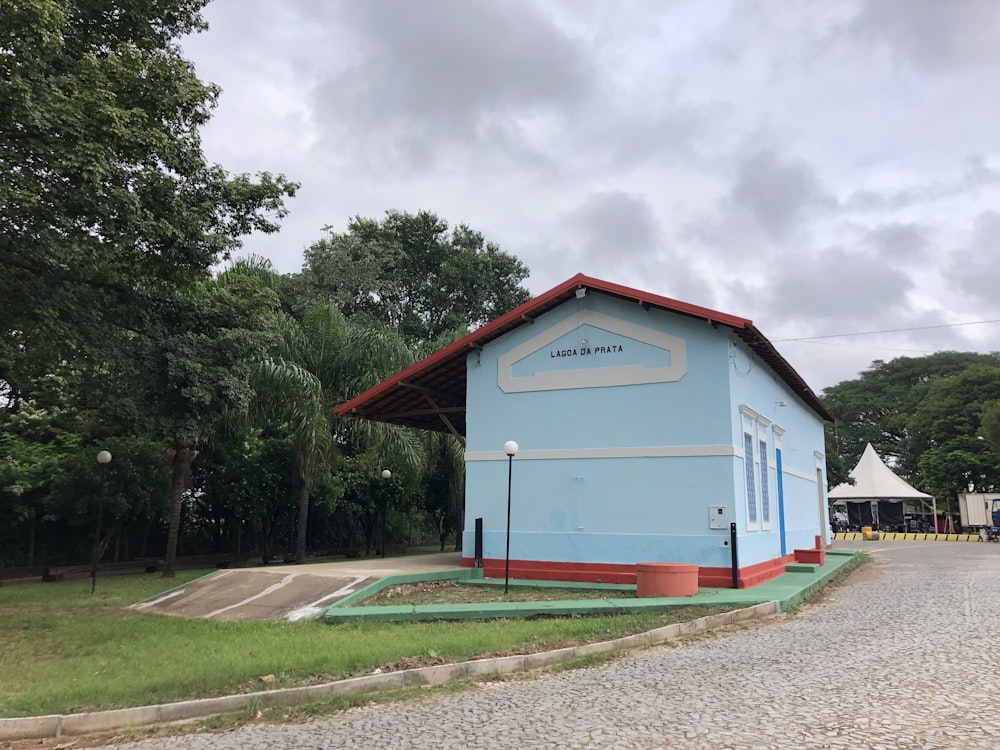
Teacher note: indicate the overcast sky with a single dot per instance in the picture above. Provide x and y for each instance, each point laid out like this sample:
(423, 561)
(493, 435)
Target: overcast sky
(819, 167)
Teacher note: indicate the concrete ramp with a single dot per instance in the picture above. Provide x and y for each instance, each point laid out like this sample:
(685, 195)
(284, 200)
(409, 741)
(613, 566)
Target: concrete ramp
(287, 592)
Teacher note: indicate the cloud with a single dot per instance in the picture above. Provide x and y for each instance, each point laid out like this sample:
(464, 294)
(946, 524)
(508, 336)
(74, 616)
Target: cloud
(975, 270)
(974, 175)
(614, 223)
(437, 74)
(778, 192)
(930, 34)
(838, 284)
(818, 167)
(899, 243)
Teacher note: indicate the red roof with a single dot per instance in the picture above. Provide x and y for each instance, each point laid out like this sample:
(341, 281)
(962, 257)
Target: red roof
(430, 394)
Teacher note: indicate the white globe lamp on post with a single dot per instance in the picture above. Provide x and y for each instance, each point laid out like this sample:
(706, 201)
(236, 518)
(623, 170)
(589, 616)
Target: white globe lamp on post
(510, 448)
(103, 458)
(386, 474)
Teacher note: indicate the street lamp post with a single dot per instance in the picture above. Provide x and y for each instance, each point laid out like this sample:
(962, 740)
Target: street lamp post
(510, 448)
(103, 458)
(386, 474)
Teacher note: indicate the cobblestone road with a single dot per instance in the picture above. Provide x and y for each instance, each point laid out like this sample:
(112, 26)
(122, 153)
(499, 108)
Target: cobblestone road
(904, 656)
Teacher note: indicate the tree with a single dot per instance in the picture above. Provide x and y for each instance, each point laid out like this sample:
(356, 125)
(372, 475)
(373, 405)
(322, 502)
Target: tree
(245, 499)
(410, 272)
(944, 430)
(444, 484)
(36, 447)
(107, 204)
(111, 218)
(837, 470)
(324, 360)
(290, 391)
(186, 382)
(989, 425)
(876, 407)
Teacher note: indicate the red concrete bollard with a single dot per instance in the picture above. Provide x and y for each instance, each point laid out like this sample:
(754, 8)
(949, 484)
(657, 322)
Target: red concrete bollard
(666, 579)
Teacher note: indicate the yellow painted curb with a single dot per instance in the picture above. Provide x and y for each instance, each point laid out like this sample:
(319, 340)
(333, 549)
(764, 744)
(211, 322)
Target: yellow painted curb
(896, 536)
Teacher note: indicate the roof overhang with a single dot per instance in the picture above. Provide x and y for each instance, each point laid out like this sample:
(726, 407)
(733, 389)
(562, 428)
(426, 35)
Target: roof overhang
(430, 394)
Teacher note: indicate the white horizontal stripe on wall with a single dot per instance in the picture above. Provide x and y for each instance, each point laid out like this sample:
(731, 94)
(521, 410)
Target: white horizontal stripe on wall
(799, 474)
(651, 451)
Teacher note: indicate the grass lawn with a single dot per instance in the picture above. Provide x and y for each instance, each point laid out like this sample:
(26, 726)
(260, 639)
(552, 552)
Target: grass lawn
(65, 650)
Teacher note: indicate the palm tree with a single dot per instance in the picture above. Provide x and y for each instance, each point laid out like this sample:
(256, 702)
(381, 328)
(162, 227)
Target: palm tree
(318, 362)
(324, 360)
(443, 484)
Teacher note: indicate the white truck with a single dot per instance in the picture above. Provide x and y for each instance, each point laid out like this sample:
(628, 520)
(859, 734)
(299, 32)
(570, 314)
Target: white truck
(979, 509)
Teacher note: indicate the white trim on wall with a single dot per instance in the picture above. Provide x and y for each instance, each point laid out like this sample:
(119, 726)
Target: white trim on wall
(650, 451)
(800, 474)
(593, 377)
(754, 416)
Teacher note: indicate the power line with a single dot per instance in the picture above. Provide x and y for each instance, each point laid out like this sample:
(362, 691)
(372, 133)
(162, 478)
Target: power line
(872, 347)
(888, 330)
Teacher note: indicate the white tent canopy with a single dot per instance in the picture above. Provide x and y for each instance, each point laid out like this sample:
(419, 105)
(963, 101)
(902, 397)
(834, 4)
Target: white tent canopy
(874, 481)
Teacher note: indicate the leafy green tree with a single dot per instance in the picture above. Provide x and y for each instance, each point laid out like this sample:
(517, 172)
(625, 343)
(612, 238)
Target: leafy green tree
(411, 272)
(108, 206)
(877, 406)
(943, 433)
(989, 425)
(837, 470)
(50, 484)
(443, 484)
(245, 498)
(323, 360)
(290, 391)
(184, 383)
(35, 448)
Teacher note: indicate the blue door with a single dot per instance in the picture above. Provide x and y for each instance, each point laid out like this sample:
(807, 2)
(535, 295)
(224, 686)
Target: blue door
(781, 502)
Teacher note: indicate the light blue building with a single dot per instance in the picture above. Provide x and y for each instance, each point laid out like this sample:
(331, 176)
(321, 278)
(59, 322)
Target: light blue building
(645, 426)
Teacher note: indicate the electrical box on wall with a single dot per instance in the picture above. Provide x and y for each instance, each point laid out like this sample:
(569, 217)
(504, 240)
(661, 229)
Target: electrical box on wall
(718, 518)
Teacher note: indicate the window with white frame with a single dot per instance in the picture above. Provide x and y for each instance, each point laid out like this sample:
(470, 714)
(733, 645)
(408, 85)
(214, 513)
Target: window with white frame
(755, 464)
(748, 463)
(765, 490)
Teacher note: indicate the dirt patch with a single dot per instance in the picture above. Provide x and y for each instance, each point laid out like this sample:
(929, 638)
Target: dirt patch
(451, 592)
(867, 571)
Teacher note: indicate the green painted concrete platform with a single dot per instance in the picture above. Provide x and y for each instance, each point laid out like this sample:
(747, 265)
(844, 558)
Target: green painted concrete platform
(796, 584)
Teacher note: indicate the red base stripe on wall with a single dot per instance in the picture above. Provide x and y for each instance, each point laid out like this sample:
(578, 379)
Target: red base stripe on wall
(547, 570)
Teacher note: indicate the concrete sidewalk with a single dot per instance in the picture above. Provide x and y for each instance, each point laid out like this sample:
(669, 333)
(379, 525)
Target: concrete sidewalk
(287, 592)
(789, 589)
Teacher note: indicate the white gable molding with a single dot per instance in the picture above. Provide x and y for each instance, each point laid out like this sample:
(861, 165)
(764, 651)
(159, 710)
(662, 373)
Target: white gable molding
(594, 377)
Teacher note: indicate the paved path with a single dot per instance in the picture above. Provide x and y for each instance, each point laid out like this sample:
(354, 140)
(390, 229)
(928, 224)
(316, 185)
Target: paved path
(288, 592)
(906, 656)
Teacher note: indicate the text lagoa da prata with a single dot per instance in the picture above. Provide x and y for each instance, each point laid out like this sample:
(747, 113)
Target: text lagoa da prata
(586, 350)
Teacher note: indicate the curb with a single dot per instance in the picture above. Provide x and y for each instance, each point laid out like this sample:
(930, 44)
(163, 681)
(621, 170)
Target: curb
(909, 536)
(59, 725)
